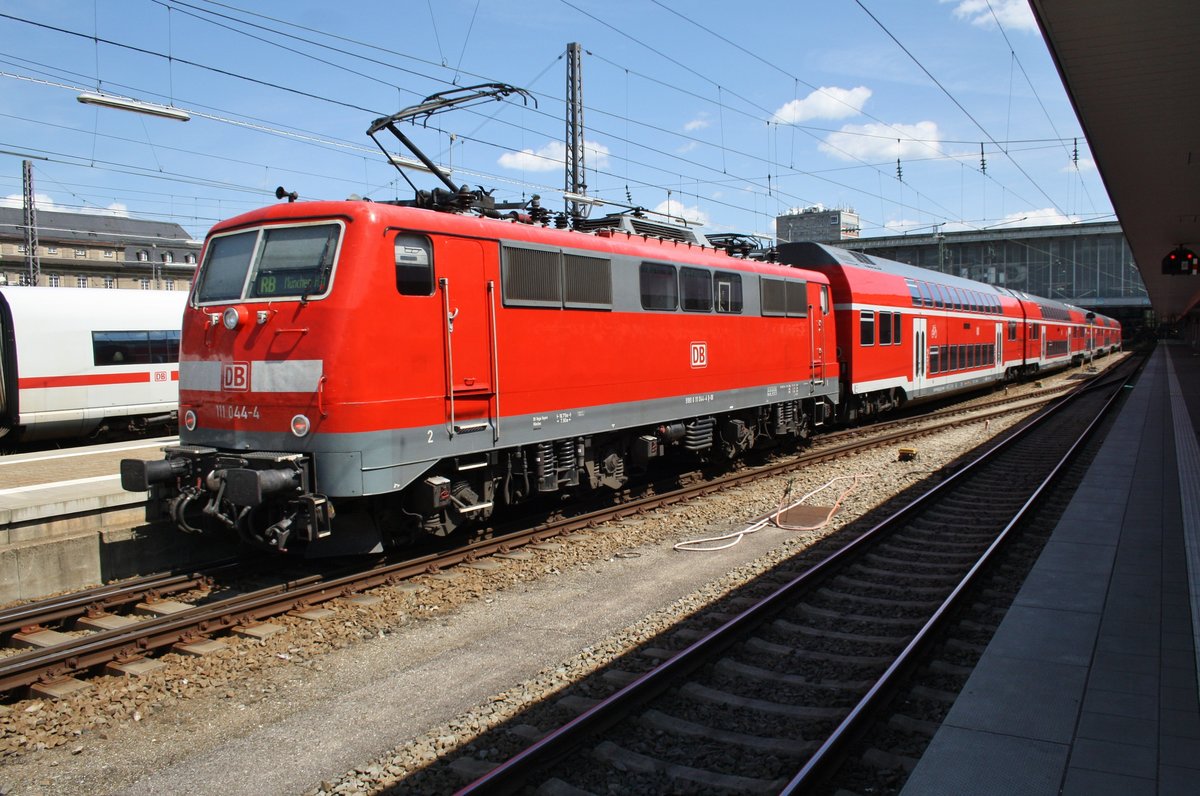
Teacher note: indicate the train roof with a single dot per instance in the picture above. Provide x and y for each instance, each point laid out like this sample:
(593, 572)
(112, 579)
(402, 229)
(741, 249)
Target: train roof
(650, 241)
(809, 254)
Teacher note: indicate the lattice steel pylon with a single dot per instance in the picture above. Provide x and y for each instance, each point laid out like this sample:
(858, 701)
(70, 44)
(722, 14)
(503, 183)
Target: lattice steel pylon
(574, 157)
(29, 218)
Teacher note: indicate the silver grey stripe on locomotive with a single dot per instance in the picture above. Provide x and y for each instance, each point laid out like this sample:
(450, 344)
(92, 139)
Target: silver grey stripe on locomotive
(285, 375)
(382, 461)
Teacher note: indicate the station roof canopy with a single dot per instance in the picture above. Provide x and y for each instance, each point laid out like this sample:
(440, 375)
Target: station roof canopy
(1130, 70)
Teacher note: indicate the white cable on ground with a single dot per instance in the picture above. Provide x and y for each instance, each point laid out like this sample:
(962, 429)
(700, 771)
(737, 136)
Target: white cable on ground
(731, 539)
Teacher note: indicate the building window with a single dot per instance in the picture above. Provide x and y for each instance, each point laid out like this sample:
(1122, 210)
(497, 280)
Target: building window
(21, 249)
(108, 253)
(55, 280)
(143, 256)
(25, 281)
(169, 284)
(190, 259)
(81, 281)
(51, 250)
(110, 282)
(145, 283)
(168, 257)
(80, 253)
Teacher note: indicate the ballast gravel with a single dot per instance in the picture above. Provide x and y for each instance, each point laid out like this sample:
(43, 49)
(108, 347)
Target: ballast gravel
(363, 700)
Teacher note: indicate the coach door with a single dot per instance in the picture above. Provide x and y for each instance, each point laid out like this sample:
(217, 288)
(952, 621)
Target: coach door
(468, 334)
(919, 356)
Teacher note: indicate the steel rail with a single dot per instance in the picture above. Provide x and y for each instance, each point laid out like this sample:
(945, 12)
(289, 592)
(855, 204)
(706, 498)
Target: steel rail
(509, 776)
(827, 754)
(108, 646)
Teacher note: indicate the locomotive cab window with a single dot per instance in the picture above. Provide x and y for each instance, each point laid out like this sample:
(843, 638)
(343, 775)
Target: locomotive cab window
(414, 265)
(271, 262)
(294, 261)
(660, 290)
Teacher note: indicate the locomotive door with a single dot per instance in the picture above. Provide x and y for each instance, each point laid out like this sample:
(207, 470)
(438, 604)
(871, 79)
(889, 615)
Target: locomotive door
(919, 356)
(468, 333)
(816, 336)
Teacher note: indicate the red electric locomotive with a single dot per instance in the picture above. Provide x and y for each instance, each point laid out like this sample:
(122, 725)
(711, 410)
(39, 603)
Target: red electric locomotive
(410, 370)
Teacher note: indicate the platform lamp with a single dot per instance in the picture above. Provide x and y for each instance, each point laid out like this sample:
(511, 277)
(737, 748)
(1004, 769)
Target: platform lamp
(136, 106)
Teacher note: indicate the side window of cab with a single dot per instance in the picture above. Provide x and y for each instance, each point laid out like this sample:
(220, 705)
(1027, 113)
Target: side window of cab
(414, 265)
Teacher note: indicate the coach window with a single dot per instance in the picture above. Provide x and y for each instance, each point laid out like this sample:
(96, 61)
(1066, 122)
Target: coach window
(926, 296)
(824, 299)
(866, 322)
(885, 328)
(414, 265)
(729, 292)
(695, 289)
(1012, 330)
(957, 296)
(660, 291)
(914, 292)
(896, 328)
(935, 359)
(1034, 331)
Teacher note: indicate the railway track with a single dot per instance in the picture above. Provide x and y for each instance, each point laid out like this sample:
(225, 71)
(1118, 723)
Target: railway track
(769, 700)
(128, 624)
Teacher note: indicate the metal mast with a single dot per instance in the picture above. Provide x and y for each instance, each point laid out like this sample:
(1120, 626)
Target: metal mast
(32, 261)
(575, 178)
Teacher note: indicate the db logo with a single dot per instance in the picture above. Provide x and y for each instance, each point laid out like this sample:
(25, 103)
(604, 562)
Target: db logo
(699, 355)
(160, 375)
(235, 376)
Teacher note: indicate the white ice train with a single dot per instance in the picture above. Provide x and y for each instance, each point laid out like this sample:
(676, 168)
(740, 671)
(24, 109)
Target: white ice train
(76, 363)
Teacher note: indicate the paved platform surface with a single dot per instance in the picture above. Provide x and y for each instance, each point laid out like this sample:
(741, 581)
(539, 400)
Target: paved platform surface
(1090, 684)
(48, 484)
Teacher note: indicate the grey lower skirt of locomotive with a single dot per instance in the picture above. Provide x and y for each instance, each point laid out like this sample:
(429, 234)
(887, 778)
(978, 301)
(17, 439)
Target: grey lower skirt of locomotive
(269, 498)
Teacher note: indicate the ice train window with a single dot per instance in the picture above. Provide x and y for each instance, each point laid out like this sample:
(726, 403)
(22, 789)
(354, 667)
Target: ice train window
(414, 265)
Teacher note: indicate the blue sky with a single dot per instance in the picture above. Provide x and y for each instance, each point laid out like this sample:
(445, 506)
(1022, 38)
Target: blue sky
(727, 120)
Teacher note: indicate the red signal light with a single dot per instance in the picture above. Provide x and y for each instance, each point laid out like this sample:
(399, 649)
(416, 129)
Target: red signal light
(1180, 261)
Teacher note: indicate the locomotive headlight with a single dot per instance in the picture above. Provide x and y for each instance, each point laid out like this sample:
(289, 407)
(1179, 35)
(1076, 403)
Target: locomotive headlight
(233, 317)
(300, 425)
(189, 420)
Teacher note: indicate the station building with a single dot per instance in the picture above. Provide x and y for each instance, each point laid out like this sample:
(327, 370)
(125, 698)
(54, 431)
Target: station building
(98, 251)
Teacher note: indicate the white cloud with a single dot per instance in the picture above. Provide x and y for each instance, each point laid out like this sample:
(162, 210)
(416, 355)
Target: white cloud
(883, 141)
(699, 123)
(827, 102)
(1013, 14)
(552, 156)
(1084, 164)
(674, 209)
(44, 202)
